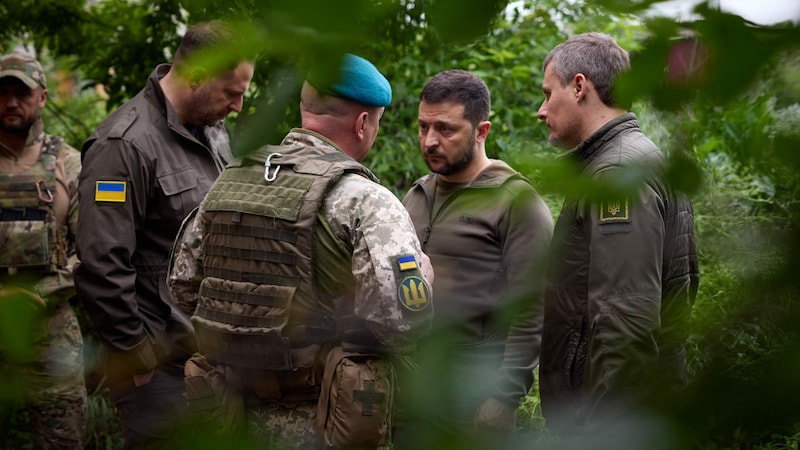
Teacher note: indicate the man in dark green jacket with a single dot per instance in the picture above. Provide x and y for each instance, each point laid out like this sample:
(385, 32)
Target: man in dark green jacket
(625, 273)
(486, 231)
(144, 169)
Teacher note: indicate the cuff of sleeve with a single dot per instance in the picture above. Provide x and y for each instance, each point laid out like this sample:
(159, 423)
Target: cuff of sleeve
(508, 395)
(140, 359)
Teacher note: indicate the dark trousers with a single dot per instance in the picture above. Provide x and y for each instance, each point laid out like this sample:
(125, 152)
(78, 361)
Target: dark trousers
(150, 413)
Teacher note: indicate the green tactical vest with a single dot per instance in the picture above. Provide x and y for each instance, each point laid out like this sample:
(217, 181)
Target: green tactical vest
(259, 296)
(28, 234)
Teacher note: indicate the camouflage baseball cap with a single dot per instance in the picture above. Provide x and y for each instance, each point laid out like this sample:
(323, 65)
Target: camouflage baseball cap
(23, 67)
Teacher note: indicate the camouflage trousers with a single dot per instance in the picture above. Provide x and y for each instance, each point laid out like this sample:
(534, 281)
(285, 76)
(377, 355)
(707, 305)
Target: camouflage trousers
(53, 384)
(284, 425)
(227, 399)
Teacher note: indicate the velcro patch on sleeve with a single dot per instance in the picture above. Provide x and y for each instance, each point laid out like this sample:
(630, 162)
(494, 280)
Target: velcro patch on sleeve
(406, 262)
(615, 211)
(414, 294)
(110, 191)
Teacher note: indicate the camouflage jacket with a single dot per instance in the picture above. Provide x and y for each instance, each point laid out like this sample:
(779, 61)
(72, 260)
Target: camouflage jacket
(371, 224)
(51, 156)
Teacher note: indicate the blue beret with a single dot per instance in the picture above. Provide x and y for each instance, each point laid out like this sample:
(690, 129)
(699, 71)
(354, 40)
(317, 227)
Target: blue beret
(358, 80)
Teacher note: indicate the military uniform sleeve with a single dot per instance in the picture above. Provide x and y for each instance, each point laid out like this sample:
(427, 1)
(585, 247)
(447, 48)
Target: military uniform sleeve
(626, 235)
(113, 190)
(72, 169)
(185, 271)
(60, 286)
(526, 235)
(392, 297)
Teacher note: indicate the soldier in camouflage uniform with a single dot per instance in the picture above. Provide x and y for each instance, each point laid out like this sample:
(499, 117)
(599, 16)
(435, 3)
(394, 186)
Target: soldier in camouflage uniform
(38, 217)
(363, 255)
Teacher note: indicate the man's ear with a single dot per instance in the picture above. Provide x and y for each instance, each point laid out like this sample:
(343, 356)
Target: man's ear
(197, 76)
(361, 123)
(483, 130)
(43, 99)
(580, 86)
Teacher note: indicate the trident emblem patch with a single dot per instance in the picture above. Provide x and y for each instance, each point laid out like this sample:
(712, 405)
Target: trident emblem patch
(614, 211)
(413, 293)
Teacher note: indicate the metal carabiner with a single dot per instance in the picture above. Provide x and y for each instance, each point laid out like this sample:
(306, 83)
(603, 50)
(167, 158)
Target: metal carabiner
(267, 163)
(42, 189)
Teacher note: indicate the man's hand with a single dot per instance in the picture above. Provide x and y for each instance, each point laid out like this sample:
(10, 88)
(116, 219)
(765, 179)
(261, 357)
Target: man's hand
(495, 415)
(426, 268)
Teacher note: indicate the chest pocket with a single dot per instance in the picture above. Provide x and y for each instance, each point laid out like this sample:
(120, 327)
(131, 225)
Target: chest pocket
(25, 242)
(179, 189)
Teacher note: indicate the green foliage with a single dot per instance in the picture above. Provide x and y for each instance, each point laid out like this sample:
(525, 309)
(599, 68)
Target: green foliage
(21, 319)
(73, 118)
(746, 223)
(103, 428)
(509, 60)
(126, 40)
(26, 19)
(15, 423)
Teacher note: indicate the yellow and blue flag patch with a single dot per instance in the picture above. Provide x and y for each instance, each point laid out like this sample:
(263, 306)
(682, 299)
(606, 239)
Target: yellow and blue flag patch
(110, 191)
(407, 262)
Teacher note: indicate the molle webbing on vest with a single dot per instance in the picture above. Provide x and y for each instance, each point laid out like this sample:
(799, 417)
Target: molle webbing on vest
(247, 298)
(256, 255)
(259, 351)
(252, 277)
(243, 320)
(27, 214)
(258, 294)
(244, 190)
(21, 190)
(227, 251)
(259, 232)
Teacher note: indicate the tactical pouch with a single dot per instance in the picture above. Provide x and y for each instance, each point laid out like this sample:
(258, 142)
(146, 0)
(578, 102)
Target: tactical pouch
(28, 245)
(355, 406)
(212, 401)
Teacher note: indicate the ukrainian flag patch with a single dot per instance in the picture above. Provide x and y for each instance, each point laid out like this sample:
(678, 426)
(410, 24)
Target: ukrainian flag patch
(110, 191)
(406, 262)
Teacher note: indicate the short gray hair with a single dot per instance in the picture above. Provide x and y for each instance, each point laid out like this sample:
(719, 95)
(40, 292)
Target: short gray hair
(596, 55)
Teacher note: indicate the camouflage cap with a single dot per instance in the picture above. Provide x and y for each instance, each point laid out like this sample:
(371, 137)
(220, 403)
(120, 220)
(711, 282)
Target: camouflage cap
(24, 68)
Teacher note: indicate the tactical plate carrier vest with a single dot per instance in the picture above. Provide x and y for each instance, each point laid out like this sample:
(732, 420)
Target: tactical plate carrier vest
(28, 234)
(258, 299)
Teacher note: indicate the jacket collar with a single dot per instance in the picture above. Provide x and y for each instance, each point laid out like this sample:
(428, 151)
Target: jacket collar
(495, 174)
(588, 149)
(36, 133)
(155, 94)
(310, 142)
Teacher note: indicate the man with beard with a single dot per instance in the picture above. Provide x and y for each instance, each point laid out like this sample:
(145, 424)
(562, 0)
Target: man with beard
(486, 231)
(38, 217)
(144, 169)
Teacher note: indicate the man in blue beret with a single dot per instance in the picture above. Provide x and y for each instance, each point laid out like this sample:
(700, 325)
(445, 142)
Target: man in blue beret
(304, 276)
